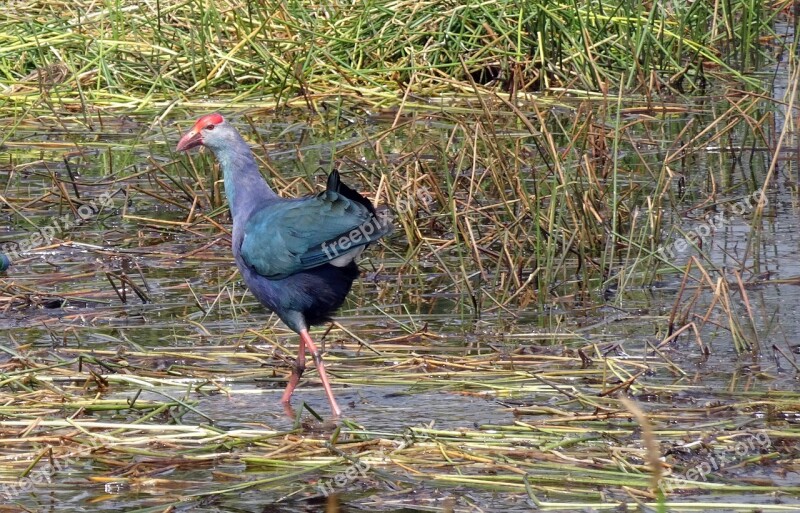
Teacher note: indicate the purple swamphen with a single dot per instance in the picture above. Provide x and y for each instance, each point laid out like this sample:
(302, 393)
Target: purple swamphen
(296, 255)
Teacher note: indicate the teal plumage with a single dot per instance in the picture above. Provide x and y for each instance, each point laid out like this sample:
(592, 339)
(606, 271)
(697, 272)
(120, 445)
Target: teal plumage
(287, 237)
(296, 255)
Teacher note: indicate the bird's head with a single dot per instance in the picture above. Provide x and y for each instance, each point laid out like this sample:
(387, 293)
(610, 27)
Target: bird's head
(210, 131)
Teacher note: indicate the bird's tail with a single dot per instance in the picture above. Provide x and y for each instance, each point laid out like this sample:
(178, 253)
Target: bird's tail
(382, 216)
(335, 185)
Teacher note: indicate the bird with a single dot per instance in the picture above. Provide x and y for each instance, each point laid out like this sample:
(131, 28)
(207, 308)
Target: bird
(297, 256)
(5, 262)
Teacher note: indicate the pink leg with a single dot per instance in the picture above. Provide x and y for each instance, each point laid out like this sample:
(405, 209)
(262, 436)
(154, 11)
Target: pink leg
(306, 338)
(297, 371)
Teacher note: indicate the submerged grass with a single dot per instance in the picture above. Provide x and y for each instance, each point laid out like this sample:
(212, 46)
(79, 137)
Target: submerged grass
(503, 229)
(133, 448)
(552, 168)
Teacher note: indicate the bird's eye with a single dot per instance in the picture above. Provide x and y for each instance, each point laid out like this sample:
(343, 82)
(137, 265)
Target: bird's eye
(209, 127)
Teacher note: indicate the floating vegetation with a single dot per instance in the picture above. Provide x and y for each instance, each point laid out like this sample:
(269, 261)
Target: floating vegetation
(587, 302)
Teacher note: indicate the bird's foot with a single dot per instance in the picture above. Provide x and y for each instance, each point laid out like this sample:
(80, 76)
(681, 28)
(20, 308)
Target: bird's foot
(298, 368)
(288, 410)
(323, 376)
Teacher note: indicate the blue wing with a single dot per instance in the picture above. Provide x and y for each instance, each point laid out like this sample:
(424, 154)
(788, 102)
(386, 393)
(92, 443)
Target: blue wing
(297, 234)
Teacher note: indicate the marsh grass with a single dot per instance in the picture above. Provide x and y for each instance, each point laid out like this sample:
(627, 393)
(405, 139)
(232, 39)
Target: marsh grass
(537, 162)
(495, 220)
(150, 54)
(531, 456)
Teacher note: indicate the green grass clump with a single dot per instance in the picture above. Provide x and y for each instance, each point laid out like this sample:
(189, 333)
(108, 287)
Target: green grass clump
(135, 54)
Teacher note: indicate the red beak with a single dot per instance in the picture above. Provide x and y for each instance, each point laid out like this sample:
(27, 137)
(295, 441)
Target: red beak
(189, 140)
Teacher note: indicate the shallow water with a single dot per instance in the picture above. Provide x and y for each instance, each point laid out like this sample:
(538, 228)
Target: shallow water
(184, 324)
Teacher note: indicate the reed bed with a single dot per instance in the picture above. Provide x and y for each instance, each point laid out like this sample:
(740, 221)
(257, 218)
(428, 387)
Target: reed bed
(141, 443)
(552, 169)
(151, 54)
(132, 415)
(508, 239)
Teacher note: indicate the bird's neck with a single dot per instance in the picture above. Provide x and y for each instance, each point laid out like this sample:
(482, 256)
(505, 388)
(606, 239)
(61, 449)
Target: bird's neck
(245, 187)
